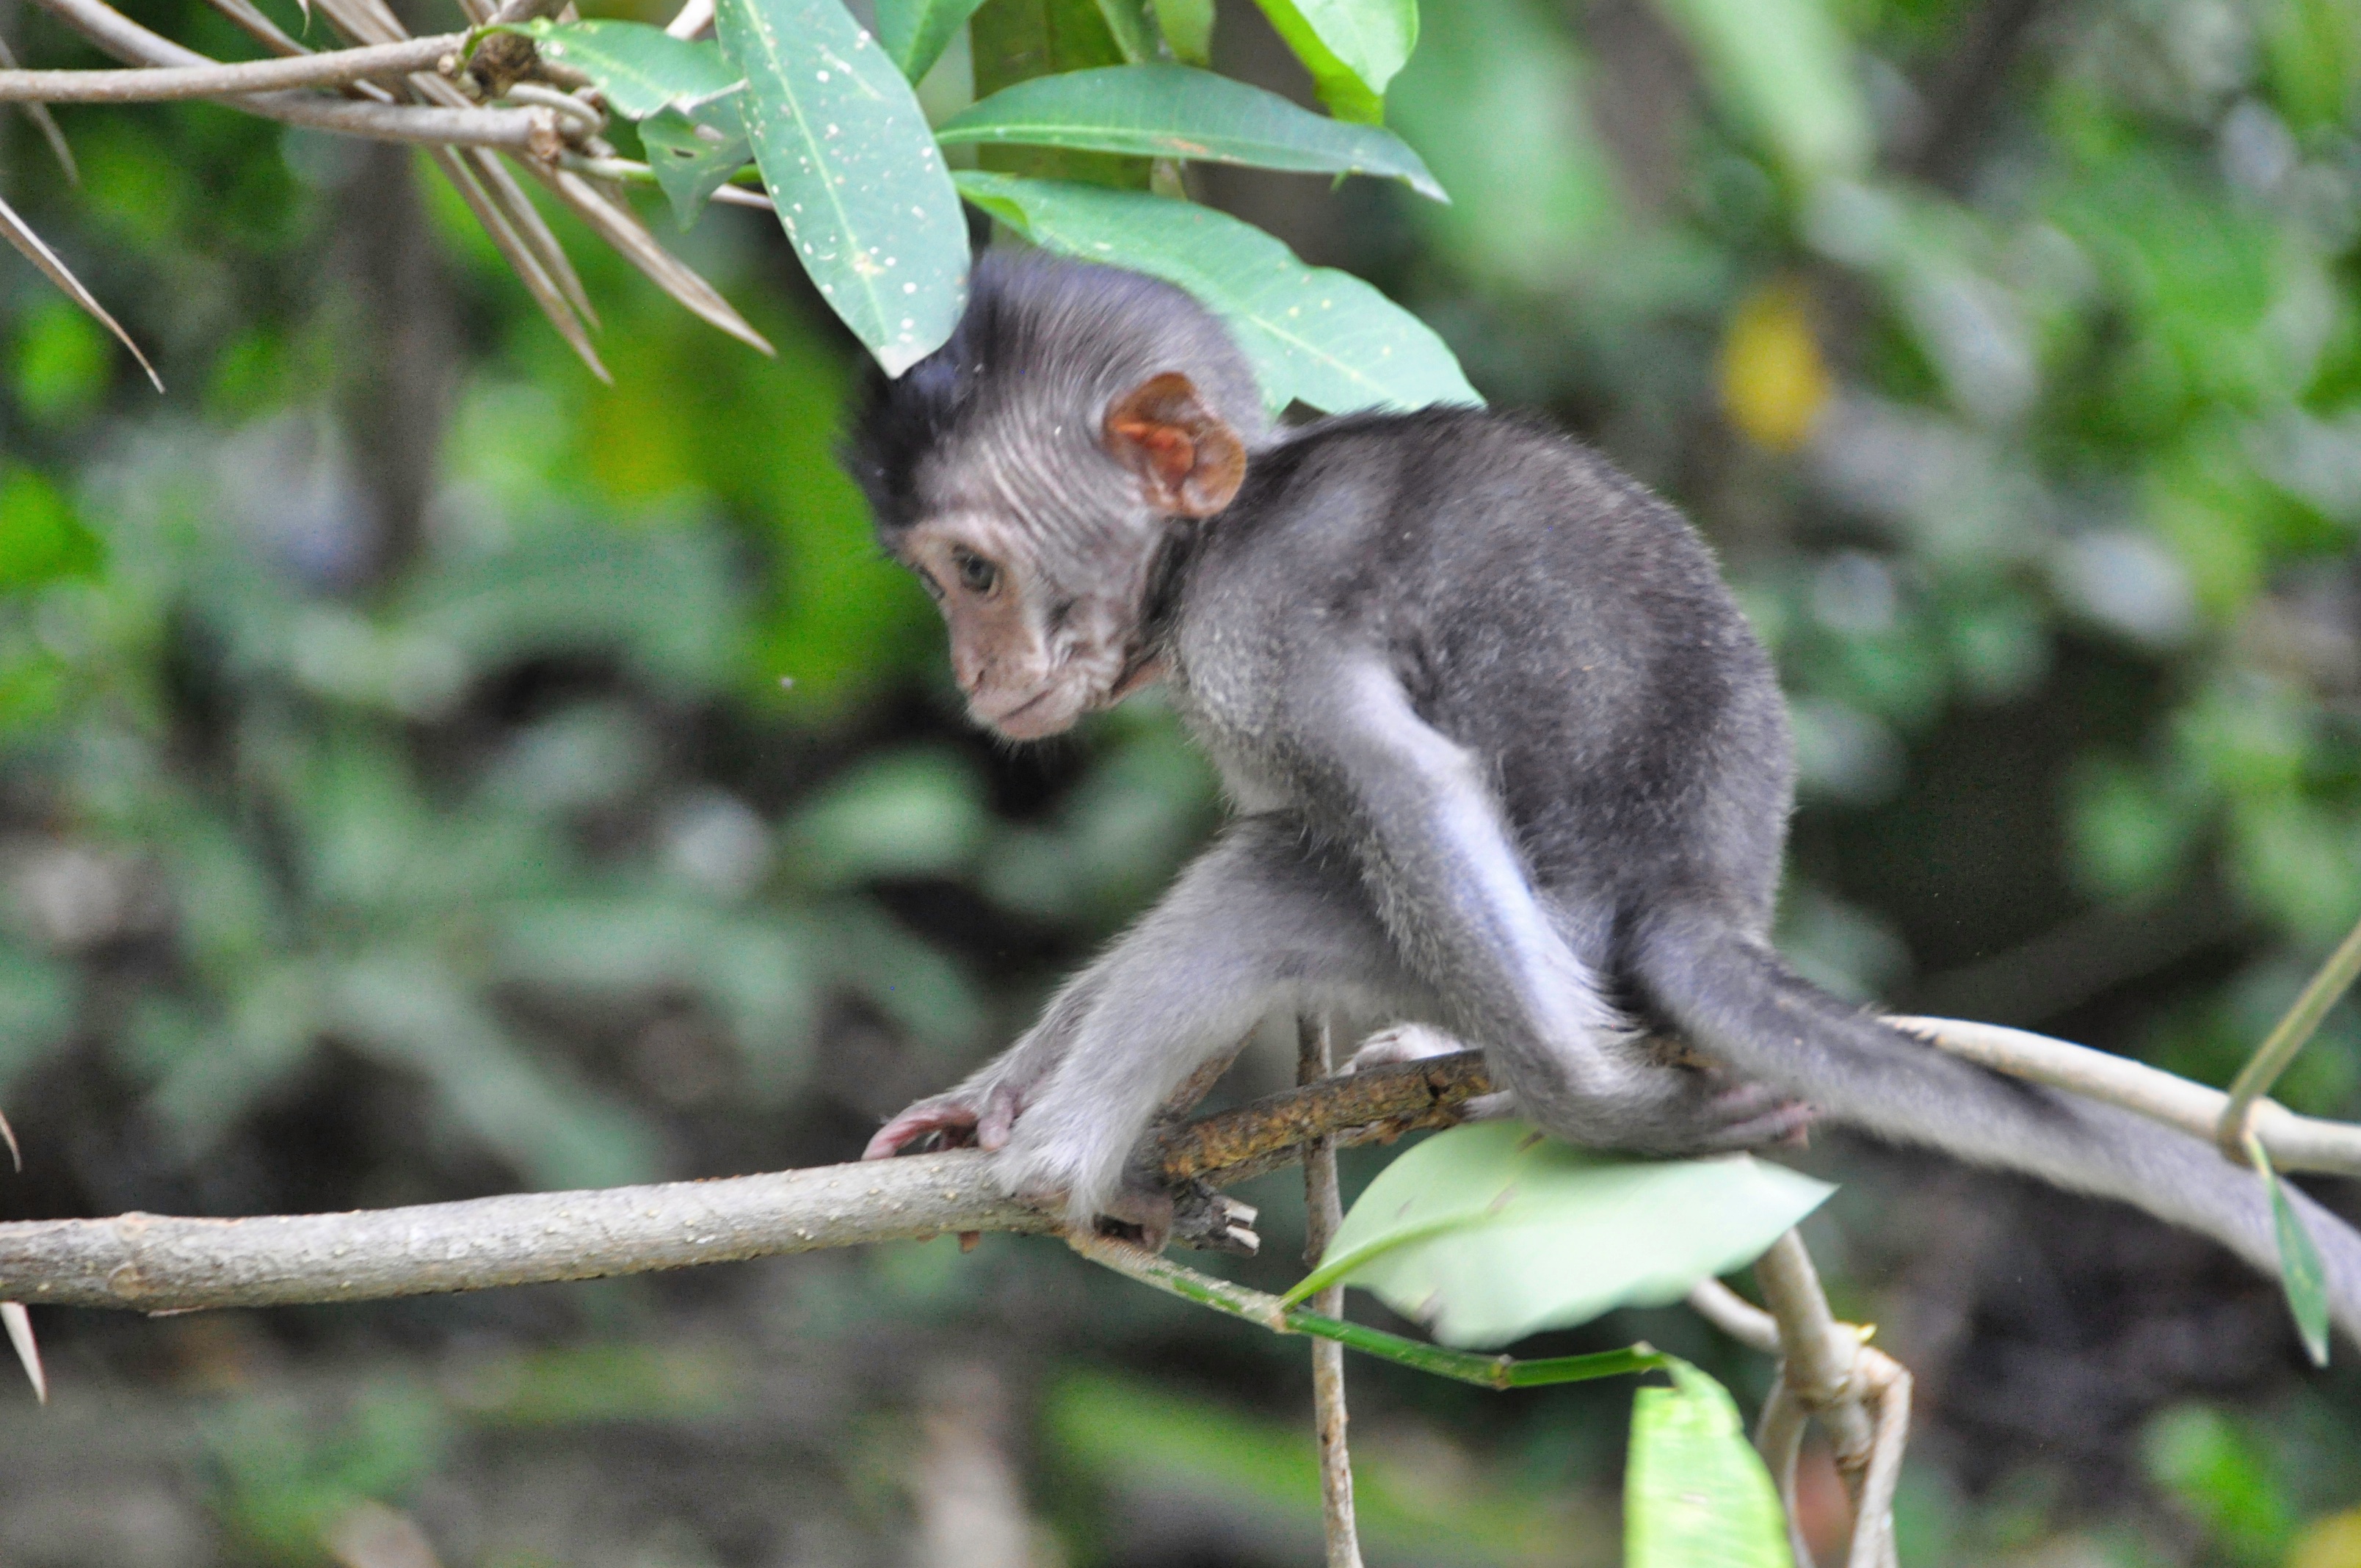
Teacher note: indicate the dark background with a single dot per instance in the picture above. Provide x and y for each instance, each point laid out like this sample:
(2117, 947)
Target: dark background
(400, 800)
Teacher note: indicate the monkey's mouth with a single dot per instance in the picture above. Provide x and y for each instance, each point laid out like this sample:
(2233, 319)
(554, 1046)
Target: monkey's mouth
(1035, 718)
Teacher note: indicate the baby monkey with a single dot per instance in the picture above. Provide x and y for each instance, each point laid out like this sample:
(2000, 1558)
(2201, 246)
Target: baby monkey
(1506, 763)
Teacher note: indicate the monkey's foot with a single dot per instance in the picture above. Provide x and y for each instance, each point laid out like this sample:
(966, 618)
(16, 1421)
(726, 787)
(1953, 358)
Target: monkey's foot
(1401, 1043)
(1738, 1114)
(948, 1122)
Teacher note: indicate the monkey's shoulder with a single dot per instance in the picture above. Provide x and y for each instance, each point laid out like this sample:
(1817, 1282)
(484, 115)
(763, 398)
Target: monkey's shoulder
(1389, 519)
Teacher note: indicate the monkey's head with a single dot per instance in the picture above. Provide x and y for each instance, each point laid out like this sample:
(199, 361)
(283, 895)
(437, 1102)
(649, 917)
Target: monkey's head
(1033, 469)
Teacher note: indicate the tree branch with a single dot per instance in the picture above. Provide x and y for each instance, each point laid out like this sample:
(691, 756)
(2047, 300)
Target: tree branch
(154, 1263)
(332, 68)
(2293, 1141)
(525, 129)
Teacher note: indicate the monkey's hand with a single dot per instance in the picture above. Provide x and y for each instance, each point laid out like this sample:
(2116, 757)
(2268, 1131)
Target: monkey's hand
(958, 1118)
(1716, 1111)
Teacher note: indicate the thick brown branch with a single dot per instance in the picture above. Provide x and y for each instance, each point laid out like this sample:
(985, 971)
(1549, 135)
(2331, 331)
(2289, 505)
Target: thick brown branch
(162, 84)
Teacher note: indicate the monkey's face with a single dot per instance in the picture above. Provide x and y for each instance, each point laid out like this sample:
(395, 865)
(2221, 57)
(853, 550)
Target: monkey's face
(1036, 540)
(1036, 639)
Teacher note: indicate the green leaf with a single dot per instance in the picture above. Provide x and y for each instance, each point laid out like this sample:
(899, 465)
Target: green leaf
(1353, 48)
(1016, 40)
(1172, 110)
(1188, 29)
(857, 183)
(638, 69)
(916, 32)
(1313, 333)
(40, 538)
(1787, 70)
(693, 156)
(2301, 1273)
(1494, 1230)
(1127, 24)
(1695, 1492)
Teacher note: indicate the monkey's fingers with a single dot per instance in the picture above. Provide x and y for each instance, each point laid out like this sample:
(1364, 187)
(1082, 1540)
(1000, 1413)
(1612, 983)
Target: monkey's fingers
(1753, 1116)
(998, 1118)
(957, 1123)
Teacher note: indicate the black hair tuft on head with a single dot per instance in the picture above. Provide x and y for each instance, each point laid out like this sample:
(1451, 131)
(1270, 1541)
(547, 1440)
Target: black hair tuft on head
(1034, 323)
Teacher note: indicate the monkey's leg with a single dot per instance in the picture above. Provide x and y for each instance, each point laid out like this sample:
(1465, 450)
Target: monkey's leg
(1516, 968)
(982, 1107)
(1259, 924)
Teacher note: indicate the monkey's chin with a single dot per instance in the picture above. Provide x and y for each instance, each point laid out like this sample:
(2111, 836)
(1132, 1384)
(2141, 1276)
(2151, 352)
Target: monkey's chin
(1047, 713)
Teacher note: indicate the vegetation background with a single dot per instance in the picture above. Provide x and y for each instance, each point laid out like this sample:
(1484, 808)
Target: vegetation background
(427, 772)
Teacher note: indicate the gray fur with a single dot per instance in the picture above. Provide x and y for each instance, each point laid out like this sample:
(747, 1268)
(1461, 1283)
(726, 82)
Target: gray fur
(1509, 762)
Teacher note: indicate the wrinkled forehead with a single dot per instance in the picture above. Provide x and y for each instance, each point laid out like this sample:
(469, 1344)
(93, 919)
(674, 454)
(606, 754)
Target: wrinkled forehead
(1047, 478)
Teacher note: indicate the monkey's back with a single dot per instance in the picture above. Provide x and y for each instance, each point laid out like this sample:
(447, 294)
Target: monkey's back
(1543, 610)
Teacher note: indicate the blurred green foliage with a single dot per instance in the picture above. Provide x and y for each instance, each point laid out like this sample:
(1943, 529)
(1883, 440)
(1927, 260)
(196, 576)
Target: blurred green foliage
(2010, 355)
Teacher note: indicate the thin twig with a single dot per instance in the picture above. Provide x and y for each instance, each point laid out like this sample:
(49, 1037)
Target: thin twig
(2293, 1141)
(1323, 1211)
(46, 123)
(128, 42)
(695, 19)
(1736, 1316)
(1779, 1439)
(1497, 1372)
(35, 249)
(258, 27)
(633, 171)
(2281, 1045)
(1873, 1544)
(331, 67)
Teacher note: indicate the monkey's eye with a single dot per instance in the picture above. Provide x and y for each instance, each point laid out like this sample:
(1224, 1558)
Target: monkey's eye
(976, 575)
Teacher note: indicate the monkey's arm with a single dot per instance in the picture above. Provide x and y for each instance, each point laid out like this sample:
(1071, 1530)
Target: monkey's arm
(985, 1106)
(1454, 895)
(1260, 921)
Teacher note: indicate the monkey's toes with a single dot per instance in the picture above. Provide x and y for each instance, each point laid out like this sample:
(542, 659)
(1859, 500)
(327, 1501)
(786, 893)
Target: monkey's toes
(1401, 1043)
(1753, 1116)
(956, 1123)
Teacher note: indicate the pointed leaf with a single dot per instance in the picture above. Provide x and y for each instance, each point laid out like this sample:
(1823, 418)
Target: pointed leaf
(916, 32)
(692, 158)
(859, 184)
(465, 177)
(20, 234)
(1352, 47)
(621, 228)
(1313, 333)
(45, 123)
(1695, 1491)
(1172, 110)
(533, 230)
(19, 1323)
(1493, 1231)
(1188, 29)
(1126, 23)
(639, 69)
(2301, 1273)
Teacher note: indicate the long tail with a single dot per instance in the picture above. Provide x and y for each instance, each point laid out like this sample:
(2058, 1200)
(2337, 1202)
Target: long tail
(1736, 999)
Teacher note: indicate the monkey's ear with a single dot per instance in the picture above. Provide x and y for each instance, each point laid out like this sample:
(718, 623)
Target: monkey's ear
(1188, 460)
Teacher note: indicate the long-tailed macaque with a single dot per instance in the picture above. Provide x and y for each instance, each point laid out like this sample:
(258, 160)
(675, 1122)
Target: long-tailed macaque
(1505, 759)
